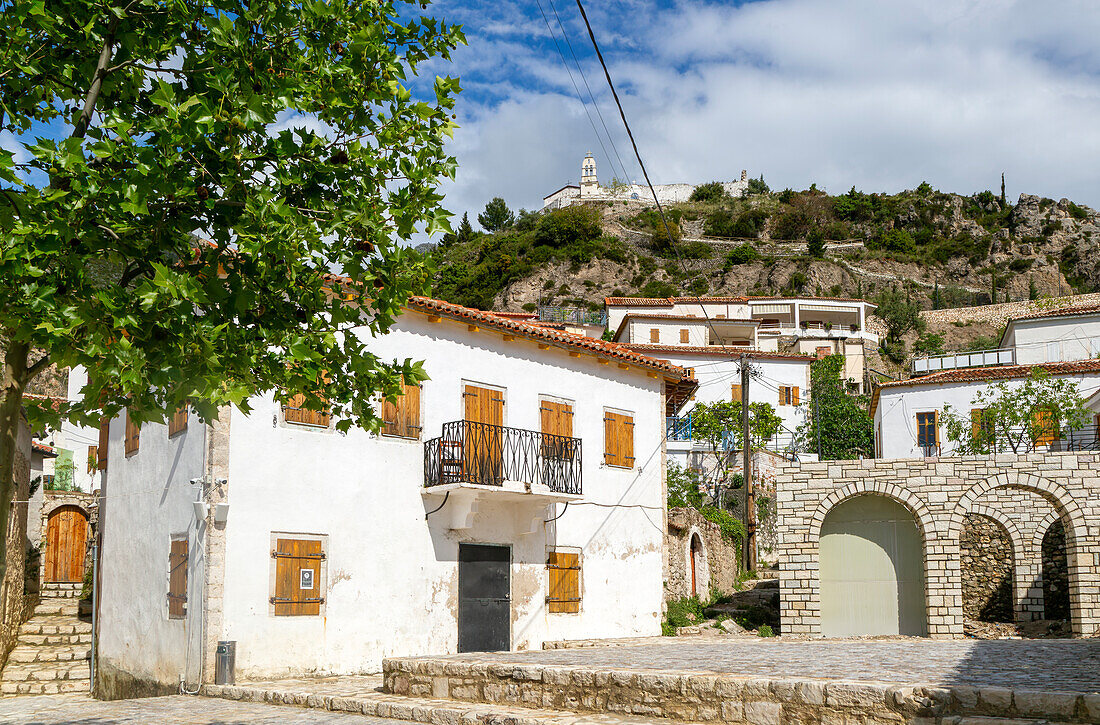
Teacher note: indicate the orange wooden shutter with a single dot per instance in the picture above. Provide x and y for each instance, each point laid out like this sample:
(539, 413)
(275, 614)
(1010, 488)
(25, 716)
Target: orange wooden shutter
(735, 392)
(294, 555)
(794, 395)
(402, 416)
(564, 592)
(93, 458)
(177, 579)
(683, 336)
(104, 437)
(976, 424)
(1044, 422)
(654, 335)
(178, 421)
(626, 425)
(610, 439)
(133, 435)
(936, 425)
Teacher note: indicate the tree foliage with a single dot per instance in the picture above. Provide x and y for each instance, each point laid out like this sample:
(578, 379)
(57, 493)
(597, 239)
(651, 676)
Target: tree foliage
(1016, 416)
(496, 216)
(286, 137)
(711, 191)
(837, 418)
(900, 315)
(718, 425)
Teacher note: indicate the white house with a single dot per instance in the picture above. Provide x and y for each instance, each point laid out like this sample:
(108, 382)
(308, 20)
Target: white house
(1054, 336)
(514, 497)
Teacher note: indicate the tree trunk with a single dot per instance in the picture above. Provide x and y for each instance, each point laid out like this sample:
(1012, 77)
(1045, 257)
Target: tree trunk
(11, 402)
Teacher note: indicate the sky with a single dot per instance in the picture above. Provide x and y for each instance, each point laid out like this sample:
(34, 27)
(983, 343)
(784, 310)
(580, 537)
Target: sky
(876, 94)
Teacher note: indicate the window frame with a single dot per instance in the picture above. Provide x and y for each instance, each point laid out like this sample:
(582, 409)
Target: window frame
(397, 409)
(655, 335)
(320, 579)
(177, 423)
(303, 425)
(921, 428)
(685, 336)
(170, 594)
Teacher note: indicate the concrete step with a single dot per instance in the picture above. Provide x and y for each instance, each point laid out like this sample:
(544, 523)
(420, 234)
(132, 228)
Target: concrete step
(43, 688)
(55, 625)
(54, 587)
(66, 639)
(47, 653)
(414, 709)
(46, 671)
(58, 606)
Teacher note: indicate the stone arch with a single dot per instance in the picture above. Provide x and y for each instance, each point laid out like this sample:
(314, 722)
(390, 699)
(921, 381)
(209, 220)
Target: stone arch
(1044, 525)
(993, 587)
(1065, 507)
(700, 584)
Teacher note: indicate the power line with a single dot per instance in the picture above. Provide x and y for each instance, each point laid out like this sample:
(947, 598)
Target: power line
(576, 88)
(591, 95)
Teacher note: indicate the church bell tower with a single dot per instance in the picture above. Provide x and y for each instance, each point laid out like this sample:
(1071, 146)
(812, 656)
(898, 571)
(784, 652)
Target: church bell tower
(589, 185)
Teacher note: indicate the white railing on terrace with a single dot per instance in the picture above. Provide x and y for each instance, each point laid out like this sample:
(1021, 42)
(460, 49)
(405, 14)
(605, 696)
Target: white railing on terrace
(957, 360)
(828, 327)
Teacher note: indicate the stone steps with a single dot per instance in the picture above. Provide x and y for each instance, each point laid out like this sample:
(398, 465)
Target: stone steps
(46, 671)
(43, 688)
(47, 653)
(56, 606)
(55, 625)
(54, 590)
(50, 639)
(414, 709)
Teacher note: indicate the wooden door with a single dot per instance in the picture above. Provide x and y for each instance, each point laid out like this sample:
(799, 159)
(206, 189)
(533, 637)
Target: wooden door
(66, 532)
(484, 438)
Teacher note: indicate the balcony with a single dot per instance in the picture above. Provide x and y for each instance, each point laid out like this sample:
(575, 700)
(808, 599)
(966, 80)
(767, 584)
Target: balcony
(572, 315)
(679, 429)
(959, 360)
(482, 456)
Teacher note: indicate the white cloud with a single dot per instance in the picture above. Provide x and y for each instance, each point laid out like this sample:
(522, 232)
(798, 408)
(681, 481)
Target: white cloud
(839, 92)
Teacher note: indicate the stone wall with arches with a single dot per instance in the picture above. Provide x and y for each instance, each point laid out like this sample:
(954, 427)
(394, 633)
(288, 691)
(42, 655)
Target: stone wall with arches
(1026, 494)
(717, 566)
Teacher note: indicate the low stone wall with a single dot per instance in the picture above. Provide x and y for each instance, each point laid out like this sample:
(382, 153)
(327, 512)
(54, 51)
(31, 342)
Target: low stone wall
(717, 571)
(986, 553)
(1024, 493)
(1001, 313)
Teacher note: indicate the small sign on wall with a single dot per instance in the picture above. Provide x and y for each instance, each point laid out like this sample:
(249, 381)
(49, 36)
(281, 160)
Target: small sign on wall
(307, 579)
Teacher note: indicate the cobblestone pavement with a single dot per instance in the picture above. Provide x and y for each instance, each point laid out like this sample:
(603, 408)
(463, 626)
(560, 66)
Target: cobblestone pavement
(175, 710)
(1064, 665)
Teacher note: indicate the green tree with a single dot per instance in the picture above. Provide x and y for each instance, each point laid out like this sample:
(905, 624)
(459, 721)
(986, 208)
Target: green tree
(815, 243)
(718, 425)
(684, 487)
(1010, 416)
(286, 136)
(465, 231)
(711, 191)
(1032, 290)
(496, 216)
(900, 315)
(838, 419)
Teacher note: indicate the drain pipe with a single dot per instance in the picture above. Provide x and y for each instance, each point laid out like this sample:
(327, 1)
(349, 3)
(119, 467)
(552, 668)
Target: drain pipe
(200, 531)
(95, 611)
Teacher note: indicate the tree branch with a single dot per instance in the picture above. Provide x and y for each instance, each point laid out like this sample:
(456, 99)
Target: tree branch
(97, 81)
(38, 366)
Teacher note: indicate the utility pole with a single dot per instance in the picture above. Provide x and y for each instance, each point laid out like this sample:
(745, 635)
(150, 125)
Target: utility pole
(749, 555)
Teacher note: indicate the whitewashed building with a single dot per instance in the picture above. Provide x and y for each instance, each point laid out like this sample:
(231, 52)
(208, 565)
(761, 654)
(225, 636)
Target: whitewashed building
(514, 497)
(1065, 343)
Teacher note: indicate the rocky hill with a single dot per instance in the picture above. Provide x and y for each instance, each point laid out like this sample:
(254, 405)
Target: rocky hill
(941, 249)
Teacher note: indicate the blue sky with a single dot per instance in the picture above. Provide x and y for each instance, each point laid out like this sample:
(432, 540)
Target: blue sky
(879, 95)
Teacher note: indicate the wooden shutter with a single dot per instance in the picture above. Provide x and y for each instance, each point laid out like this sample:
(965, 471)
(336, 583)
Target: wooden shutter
(104, 437)
(1096, 426)
(626, 426)
(402, 417)
(177, 579)
(794, 395)
(564, 595)
(684, 336)
(936, 426)
(610, 438)
(1044, 422)
(735, 392)
(291, 557)
(618, 439)
(784, 395)
(93, 458)
(294, 411)
(654, 335)
(133, 434)
(178, 422)
(484, 405)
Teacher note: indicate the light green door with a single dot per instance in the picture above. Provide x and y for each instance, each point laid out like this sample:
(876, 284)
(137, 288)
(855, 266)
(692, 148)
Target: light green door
(872, 570)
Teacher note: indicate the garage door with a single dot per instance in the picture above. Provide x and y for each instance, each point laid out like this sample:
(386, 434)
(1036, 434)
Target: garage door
(872, 570)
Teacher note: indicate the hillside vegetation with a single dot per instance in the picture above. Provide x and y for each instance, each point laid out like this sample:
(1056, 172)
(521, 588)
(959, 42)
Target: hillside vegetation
(937, 249)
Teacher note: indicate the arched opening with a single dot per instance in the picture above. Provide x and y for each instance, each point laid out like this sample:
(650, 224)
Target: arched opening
(66, 537)
(1055, 573)
(695, 562)
(987, 566)
(872, 570)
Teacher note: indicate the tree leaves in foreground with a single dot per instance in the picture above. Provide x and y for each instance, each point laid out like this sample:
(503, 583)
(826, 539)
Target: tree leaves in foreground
(212, 163)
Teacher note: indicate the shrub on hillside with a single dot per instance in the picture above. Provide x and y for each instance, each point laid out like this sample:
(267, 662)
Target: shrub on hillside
(562, 227)
(657, 288)
(696, 250)
(792, 225)
(893, 240)
(712, 191)
(742, 254)
(748, 225)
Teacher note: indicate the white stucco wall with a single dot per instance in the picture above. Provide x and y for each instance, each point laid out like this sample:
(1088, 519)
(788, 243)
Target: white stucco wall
(392, 576)
(149, 500)
(896, 412)
(1055, 340)
(78, 438)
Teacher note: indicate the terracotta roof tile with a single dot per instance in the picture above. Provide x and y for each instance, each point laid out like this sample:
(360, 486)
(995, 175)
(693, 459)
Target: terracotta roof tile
(1002, 372)
(537, 332)
(693, 318)
(669, 301)
(43, 448)
(718, 350)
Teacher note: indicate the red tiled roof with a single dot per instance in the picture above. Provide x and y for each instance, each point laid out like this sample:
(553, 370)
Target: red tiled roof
(43, 448)
(560, 338)
(718, 350)
(693, 318)
(516, 315)
(55, 401)
(1064, 312)
(825, 299)
(1003, 372)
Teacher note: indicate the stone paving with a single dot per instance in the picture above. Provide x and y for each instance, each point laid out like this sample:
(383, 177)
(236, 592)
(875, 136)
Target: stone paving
(1070, 665)
(174, 710)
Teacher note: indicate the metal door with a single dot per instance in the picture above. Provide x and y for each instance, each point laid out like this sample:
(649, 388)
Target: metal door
(484, 598)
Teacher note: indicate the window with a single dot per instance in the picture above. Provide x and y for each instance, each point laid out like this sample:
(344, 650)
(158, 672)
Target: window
(93, 459)
(104, 436)
(178, 422)
(824, 351)
(928, 435)
(654, 335)
(788, 395)
(1054, 351)
(177, 579)
(295, 411)
(564, 592)
(401, 418)
(133, 433)
(618, 439)
(1044, 427)
(735, 392)
(557, 423)
(299, 575)
(982, 426)
(684, 338)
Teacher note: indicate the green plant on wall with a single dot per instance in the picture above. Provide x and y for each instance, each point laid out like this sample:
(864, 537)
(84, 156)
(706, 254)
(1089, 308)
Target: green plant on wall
(838, 420)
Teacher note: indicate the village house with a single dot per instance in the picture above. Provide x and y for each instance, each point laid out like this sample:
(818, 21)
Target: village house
(1064, 343)
(515, 497)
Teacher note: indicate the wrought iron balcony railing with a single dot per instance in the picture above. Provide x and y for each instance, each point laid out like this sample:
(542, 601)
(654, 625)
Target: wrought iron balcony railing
(481, 453)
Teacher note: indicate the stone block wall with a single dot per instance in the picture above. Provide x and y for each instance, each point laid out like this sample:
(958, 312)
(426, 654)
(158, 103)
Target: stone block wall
(720, 557)
(1001, 313)
(986, 559)
(1025, 493)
